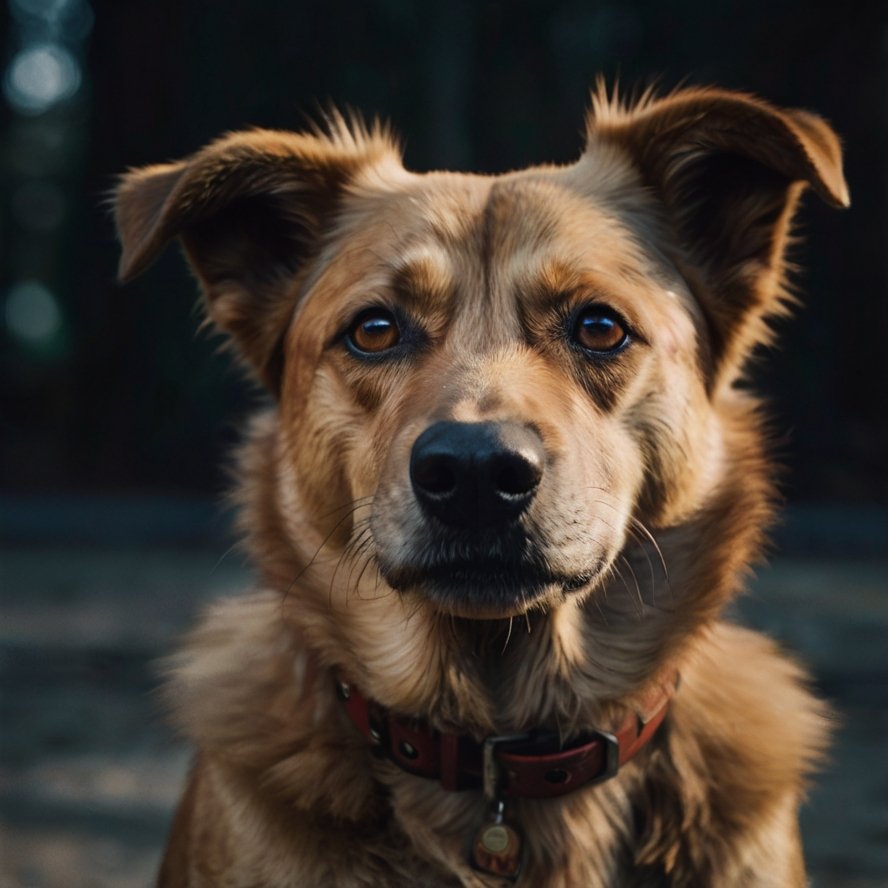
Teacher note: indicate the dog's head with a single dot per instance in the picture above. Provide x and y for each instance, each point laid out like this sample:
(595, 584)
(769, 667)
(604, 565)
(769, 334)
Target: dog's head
(490, 385)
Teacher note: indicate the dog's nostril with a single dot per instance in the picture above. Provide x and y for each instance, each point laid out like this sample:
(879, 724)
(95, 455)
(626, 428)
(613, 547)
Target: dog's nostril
(436, 474)
(517, 475)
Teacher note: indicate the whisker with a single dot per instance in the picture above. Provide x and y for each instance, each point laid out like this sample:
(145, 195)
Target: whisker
(601, 611)
(640, 525)
(371, 557)
(232, 548)
(642, 535)
(642, 545)
(355, 506)
(616, 571)
(625, 561)
(353, 550)
(508, 636)
(360, 532)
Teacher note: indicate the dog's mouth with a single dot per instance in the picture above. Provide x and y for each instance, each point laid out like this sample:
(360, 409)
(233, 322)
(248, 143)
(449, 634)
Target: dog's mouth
(482, 585)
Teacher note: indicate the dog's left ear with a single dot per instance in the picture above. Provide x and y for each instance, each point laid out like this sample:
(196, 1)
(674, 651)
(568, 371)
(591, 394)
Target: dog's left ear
(250, 210)
(729, 169)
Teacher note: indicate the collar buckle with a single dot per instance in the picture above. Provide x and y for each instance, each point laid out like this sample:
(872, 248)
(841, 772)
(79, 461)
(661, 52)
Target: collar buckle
(611, 746)
(492, 770)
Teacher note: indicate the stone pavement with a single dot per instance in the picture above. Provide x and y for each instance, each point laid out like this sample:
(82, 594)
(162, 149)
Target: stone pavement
(89, 773)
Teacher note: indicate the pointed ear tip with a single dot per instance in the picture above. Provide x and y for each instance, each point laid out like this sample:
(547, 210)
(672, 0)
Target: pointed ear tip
(124, 272)
(129, 267)
(837, 195)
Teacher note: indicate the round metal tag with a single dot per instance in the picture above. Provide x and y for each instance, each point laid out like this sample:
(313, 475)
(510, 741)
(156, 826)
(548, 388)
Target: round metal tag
(497, 850)
(495, 839)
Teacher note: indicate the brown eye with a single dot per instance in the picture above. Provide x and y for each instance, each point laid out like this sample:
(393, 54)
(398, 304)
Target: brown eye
(375, 331)
(599, 329)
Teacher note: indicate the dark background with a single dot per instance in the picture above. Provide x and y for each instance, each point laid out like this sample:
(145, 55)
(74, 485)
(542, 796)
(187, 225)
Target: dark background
(116, 413)
(127, 397)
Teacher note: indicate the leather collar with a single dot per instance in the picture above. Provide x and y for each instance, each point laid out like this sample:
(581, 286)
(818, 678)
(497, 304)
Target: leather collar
(534, 764)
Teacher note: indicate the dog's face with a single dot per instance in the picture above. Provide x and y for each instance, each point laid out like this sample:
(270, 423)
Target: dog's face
(490, 359)
(488, 386)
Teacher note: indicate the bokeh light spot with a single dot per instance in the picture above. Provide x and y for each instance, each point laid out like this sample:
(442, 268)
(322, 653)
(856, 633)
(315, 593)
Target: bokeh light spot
(40, 76)
(32, 313)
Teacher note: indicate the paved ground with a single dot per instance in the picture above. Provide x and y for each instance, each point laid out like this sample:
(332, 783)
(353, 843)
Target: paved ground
(88, 773)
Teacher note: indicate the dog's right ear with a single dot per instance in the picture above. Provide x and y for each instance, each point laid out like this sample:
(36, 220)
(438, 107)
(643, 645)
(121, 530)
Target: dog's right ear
(728, 170)
(250, 211)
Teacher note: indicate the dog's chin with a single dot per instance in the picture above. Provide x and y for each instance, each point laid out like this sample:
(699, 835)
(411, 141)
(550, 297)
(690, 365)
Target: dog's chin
(488, 591)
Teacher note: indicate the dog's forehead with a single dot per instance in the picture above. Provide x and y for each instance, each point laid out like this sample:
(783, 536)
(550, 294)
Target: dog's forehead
(537, 221)
(501, 230)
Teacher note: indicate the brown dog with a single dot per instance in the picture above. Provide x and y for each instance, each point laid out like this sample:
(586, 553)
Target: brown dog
(508, 483)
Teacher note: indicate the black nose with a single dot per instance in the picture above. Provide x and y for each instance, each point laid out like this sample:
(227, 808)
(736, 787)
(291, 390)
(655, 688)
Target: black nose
(476, 474)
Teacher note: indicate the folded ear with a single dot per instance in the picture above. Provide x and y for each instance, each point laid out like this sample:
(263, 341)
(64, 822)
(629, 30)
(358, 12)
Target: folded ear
(729, 169)
(250, 211)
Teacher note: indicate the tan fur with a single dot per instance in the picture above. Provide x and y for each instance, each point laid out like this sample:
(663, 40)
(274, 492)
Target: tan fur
(656, 487)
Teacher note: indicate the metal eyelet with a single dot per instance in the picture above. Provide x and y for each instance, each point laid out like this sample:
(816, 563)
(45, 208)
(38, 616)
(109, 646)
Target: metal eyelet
(408, 750)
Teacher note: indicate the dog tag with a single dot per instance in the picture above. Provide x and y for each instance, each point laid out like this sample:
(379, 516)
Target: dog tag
(497, 848)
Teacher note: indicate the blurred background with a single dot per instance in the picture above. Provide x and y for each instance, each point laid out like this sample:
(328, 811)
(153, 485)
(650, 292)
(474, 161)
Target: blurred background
(116, 414)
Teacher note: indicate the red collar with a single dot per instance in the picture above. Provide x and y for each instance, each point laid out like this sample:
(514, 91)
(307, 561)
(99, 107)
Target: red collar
(534, 764)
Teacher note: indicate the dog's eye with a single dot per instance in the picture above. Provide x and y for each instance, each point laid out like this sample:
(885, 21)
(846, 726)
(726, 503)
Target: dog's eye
(600, 330)
(374, 331)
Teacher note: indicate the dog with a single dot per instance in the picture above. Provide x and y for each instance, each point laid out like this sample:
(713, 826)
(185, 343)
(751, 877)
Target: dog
(509, 477)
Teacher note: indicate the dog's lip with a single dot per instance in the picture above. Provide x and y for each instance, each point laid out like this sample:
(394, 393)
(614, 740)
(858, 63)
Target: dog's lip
(464, 570)
(520, 575)
(490, 586)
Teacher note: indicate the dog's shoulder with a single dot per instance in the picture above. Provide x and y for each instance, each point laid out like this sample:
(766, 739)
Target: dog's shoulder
(747, 701)
(245, 688)
(744, 733)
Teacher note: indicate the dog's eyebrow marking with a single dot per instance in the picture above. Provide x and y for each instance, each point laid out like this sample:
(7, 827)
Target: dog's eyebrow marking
(558, 279)
(555, 282)
(425, 272)
(554, 279)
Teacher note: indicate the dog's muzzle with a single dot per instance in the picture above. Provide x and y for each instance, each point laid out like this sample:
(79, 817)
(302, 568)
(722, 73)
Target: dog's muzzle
(474, 551)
